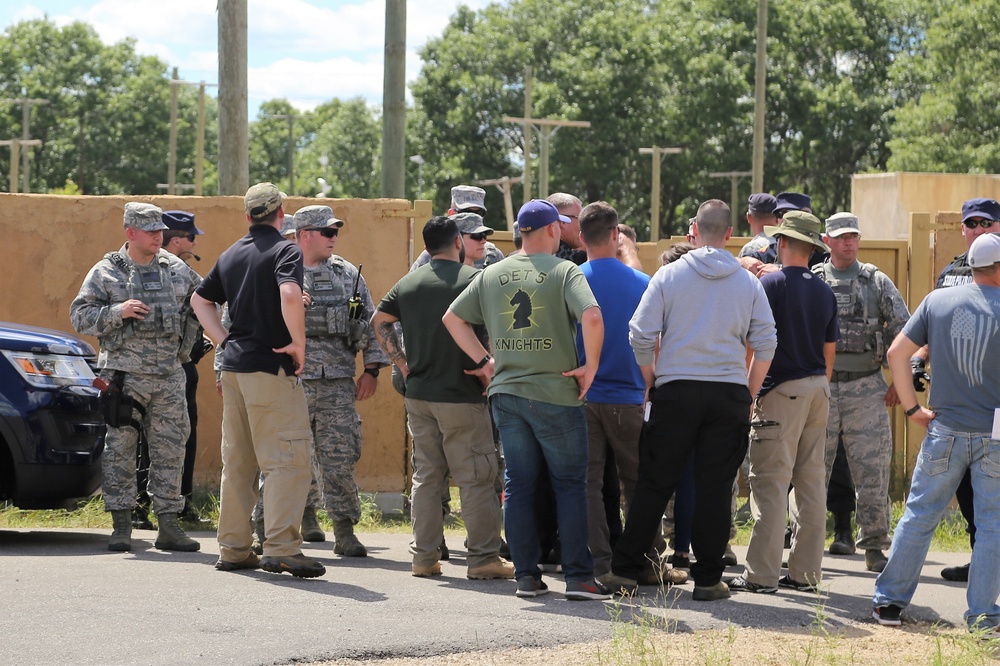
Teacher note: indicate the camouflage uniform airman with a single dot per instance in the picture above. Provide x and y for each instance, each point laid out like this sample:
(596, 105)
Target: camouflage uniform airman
(871, 313)
(144, 356)
(336, 331)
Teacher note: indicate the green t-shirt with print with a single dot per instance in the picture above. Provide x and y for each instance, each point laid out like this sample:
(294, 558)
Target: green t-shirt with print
(530, 305)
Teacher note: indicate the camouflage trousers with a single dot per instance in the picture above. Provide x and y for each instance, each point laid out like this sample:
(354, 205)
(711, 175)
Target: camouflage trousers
(858, 412)
(167, 428)
(337, 435)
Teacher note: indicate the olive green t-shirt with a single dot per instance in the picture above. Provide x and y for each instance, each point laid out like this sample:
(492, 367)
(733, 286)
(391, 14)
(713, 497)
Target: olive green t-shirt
(530, 305)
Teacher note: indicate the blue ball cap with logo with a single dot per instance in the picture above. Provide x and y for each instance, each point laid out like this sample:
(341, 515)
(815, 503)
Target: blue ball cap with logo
(538, 213)
(180, 220)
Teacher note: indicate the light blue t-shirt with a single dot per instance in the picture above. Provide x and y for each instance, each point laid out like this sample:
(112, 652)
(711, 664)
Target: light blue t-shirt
(962, 326)
(618, 289)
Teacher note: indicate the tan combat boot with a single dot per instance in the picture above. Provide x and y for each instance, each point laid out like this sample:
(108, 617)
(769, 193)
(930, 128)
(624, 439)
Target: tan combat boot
(346, 543)
(121, 536)
(170, 536)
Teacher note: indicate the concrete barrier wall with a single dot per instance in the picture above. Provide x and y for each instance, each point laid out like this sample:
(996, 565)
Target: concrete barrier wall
(51, 242)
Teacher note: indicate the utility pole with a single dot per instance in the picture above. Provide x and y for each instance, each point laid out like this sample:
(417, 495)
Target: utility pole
(394, 102)
(234, 152)
(527, 128)
(734, 180)
(290, 117)
(199, 168)
(503, 184)
(546, 129)
(654, 217)
(172, 151)
(15, 149)
(26, 104)
(760, 81)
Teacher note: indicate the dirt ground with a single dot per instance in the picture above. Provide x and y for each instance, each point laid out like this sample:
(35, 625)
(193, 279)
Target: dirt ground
(737, 647)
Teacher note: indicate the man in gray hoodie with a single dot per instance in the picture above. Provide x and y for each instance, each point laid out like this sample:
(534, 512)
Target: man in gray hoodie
(700, 396)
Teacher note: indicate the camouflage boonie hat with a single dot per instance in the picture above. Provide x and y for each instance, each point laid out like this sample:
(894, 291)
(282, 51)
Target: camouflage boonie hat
(261, 200)
(144, 216)
(315, 217)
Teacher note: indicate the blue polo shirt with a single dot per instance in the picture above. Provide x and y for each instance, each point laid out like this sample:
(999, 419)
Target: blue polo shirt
(618, 289)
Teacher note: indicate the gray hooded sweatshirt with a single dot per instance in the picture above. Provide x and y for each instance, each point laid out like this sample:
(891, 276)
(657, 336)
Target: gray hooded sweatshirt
(705, 309)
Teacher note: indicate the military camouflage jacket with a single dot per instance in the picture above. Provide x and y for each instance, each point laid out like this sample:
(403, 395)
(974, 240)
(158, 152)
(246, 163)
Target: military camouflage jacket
(870, 310)
(331, 342)
(155, 344)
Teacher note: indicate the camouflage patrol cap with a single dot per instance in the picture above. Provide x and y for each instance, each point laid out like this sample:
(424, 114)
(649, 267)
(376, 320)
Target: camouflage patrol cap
(288, 226)
(261, 200)
(466, 197)
(315, 217)
(470, 223)
(144, 216)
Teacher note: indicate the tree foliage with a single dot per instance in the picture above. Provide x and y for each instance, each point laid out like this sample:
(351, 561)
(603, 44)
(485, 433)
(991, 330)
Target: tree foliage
(106, 124)
(952, 121)
(669, 73)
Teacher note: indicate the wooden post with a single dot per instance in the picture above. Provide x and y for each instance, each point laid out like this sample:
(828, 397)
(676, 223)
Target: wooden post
(172, 151)
(394, 102)
(234, 152)
(734, 180)
(503, 184)
(199, 151)
(760, 89)
(546, 129)
(527, 127)
(654, 217)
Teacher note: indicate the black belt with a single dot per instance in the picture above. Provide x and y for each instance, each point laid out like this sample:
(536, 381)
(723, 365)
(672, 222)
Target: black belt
(844, 376)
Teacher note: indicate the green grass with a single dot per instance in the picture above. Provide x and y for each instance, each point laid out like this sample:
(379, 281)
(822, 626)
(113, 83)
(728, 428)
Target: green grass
(950, 535)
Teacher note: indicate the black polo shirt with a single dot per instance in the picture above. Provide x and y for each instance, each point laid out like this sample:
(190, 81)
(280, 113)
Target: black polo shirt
(247, 277)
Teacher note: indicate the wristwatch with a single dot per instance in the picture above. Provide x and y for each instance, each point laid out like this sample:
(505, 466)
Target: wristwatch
(486, 359)
(912, 410)
(372, 371)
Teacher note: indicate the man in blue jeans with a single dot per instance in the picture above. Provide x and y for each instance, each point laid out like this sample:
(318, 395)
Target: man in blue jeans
(960, 327)
(530, 304)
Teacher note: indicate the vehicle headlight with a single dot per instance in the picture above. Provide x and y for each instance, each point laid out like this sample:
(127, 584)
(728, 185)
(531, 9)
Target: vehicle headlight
(47, 370)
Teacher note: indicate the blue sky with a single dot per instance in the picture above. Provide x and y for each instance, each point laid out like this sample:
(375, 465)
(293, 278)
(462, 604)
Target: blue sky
(307, 51)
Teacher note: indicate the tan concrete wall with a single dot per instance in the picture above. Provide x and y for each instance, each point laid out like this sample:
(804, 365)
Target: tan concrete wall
(50, 242)
(883, 201)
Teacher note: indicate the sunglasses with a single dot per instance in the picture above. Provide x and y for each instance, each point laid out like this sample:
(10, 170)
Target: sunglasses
(190, 238)
(330, 232)
(478, 237)
(972, 224)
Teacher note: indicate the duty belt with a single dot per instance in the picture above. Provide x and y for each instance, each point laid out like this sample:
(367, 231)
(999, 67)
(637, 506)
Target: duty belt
(844, 376)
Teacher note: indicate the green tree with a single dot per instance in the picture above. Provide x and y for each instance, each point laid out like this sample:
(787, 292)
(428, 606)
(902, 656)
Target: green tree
(106, 125)
(952, 122)
(673, 73)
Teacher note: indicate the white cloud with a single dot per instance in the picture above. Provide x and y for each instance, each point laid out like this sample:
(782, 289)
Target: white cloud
(308, 84)
(307, 51)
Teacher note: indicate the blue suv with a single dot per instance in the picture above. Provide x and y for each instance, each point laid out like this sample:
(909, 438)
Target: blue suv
(51, 424)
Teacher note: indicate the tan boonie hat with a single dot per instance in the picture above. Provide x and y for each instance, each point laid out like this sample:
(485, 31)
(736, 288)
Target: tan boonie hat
(315, 217)
(842, 223)
(464, 197)
(261, 200)
(800, 225)
(143, 216)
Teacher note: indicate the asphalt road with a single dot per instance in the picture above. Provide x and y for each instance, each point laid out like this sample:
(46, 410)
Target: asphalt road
(66, 600)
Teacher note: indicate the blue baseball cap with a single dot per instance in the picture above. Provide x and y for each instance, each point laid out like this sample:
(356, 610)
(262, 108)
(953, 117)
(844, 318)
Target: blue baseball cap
(981, 207)
(792, 201)
(538, 213)
(762, 203)
(180, 220)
